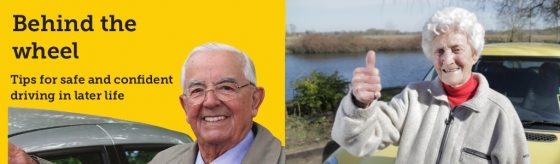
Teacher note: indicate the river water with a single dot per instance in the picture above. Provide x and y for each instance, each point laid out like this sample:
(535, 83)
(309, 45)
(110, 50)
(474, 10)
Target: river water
(397, 68)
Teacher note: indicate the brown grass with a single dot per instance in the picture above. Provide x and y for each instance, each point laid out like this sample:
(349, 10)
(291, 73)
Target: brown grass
(501, 38)
(319, 43)
(350, 43)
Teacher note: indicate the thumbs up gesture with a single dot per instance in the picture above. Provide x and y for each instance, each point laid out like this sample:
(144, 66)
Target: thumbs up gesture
(366, 82)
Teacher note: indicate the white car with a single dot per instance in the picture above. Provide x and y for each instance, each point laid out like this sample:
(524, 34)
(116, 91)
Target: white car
(62, 137)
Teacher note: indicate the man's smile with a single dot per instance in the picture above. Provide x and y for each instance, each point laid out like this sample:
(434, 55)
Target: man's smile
(214, 118)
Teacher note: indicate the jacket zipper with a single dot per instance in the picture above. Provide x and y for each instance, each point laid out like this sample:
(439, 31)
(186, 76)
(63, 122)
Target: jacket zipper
(448, 123)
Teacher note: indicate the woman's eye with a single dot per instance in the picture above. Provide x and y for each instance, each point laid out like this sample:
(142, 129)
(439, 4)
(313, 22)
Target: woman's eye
(439, 51)
(456, 50)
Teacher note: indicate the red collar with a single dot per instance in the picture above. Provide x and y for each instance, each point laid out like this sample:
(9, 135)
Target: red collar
(458, 95)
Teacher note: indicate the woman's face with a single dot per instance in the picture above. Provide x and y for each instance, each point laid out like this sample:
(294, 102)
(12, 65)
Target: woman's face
(453, 58)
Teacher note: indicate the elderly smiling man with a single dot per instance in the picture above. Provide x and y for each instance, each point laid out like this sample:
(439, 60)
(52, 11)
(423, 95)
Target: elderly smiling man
(220, 99)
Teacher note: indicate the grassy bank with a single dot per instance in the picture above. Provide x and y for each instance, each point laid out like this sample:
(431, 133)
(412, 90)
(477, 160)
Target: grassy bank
(325, 43)
(350, 43)
(302, 131)
(503, 38)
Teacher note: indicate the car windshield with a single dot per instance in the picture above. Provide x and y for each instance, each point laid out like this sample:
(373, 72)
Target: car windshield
(531, 84)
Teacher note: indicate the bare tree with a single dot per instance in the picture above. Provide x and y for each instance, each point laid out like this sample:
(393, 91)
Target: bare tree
(515, 23)
(533, 10)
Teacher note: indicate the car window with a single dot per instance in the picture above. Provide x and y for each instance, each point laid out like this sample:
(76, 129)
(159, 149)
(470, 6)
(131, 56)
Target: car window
(89, 155)
(83, 158)
(141, 154)
(532, 85)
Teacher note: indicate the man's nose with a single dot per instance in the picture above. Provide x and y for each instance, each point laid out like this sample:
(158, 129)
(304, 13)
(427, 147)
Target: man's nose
(211, 99)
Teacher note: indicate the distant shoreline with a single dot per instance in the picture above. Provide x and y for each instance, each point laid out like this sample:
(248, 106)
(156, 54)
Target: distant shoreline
(337, 43)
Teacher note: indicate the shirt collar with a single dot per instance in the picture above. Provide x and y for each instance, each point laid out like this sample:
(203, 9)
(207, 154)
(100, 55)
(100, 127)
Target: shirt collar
(234, 155)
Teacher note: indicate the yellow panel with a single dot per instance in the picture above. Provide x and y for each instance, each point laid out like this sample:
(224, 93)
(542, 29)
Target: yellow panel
(522, 49)
(165, 32)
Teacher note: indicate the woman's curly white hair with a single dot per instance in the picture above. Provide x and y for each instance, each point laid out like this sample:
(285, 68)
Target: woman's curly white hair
(453, 19)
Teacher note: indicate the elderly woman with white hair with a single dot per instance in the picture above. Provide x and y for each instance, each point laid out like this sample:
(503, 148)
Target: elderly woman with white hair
(456, 118)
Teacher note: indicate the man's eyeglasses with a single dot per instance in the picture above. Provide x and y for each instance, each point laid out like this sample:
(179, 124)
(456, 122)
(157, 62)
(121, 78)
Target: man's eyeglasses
(224, 91)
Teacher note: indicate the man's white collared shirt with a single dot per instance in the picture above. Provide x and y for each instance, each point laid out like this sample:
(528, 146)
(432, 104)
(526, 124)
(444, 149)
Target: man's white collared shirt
(234, 155)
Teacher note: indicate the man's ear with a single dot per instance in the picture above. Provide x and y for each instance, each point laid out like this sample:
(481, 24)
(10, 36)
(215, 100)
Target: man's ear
(258, 97)
(183, 101)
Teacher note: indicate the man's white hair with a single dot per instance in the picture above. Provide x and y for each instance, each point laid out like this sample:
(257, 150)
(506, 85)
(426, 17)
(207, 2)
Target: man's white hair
(248, 67)
(448, 20)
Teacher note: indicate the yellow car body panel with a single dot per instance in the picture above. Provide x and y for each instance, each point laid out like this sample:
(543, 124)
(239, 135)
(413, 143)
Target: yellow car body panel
(544, 152)
(522, 50)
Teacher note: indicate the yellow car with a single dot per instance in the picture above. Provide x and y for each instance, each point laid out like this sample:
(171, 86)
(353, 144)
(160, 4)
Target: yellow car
(529, 75)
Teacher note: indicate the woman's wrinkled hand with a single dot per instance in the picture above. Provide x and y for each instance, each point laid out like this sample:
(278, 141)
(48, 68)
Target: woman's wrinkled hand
(366, 82)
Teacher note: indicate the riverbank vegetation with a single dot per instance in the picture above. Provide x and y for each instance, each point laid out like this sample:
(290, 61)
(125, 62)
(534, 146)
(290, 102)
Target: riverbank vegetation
(381, 40)
(311, 111)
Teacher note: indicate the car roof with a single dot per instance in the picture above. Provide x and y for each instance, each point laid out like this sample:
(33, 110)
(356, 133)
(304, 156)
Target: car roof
(40, 130)
(23, 119)
(522, 50)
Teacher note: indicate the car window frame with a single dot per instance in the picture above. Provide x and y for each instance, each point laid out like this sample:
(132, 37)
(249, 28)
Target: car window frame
(104, 151)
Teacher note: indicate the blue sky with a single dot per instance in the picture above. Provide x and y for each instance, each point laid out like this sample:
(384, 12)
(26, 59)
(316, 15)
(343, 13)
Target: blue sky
(354, 15)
